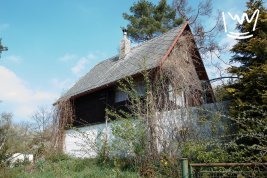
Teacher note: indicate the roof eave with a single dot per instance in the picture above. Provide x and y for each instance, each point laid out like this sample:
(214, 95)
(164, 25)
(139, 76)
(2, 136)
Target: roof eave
(174, 43)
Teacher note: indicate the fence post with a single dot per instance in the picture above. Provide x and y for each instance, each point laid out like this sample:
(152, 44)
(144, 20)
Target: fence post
(190, 171)
(184, 164)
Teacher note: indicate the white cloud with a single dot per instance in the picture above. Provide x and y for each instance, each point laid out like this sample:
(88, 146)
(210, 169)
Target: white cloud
(218, 69)
(228, 42)
(79, 66)
(14, 59)
(67, 57)
(83, 63)
(91, 56)
(20, 98)
(61, 84)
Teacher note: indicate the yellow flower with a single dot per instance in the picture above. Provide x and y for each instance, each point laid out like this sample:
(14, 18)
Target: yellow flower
(231, 90)
(166, 163)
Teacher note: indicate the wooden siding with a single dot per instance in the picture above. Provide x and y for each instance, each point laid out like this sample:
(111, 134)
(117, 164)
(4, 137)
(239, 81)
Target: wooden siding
(91, 108)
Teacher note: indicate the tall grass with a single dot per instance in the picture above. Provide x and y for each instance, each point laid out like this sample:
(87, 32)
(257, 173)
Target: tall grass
(60, 165)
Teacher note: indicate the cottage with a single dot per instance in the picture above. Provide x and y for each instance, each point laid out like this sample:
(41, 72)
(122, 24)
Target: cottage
(98, 89)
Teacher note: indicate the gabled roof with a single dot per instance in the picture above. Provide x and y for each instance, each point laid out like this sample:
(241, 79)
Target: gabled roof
(147, 55)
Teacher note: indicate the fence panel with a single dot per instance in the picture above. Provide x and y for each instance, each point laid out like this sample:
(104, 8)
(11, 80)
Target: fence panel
(223, 170)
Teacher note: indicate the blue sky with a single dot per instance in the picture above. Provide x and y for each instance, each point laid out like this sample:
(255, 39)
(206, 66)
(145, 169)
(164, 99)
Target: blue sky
(53, 43)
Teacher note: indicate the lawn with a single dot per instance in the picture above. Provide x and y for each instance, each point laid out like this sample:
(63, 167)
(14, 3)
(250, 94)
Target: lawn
(64, 166)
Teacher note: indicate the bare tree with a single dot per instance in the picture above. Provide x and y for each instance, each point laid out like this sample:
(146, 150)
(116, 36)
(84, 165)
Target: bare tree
(42, 120)
(207, 27)
(21, 132)
(205, 34)
(167, 116)
(42, 130)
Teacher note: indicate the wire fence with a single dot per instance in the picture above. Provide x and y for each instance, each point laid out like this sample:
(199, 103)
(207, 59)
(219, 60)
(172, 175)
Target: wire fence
(223, 170)
(229, 174)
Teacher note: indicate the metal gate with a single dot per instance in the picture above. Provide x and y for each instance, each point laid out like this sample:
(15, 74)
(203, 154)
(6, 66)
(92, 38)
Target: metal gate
(223, 170)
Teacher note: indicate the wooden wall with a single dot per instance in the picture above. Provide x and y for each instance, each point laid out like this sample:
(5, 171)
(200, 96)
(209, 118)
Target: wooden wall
(90, 108)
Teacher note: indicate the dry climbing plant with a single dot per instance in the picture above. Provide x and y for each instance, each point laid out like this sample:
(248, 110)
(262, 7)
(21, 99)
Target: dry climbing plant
(62, 118)
(166, 108)
(164, 113)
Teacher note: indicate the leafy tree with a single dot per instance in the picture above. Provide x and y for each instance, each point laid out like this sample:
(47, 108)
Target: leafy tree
(2, 48)
(249, 92)
(148, 20)
(5, 124)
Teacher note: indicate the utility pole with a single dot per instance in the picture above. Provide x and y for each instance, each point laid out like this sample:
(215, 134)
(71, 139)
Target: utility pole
(2, 48)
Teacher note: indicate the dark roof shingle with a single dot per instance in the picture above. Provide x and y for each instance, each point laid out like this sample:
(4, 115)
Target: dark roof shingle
(148, 53)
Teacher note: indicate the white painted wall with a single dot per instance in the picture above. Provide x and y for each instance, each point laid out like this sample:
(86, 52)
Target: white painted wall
(82, 142)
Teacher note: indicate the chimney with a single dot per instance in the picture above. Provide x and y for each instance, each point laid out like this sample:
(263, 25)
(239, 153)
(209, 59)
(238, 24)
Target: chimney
(125, 45)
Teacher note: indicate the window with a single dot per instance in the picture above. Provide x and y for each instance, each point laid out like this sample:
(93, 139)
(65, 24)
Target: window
(120, 96)
(186, 56)
(176, 96)
(140, 88)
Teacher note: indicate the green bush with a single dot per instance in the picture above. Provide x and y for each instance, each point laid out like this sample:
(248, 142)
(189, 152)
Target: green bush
(204, 151)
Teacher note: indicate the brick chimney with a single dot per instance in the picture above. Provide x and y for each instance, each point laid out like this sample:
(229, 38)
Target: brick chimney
(125, 45)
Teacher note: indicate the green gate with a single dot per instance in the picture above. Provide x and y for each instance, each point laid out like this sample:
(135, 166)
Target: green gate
(223, 170)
